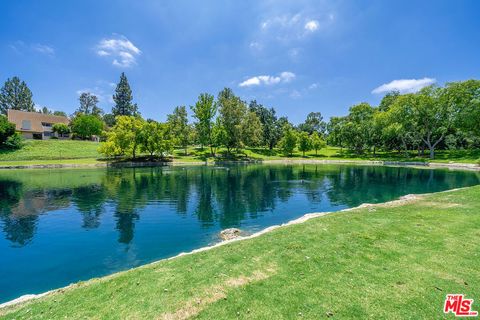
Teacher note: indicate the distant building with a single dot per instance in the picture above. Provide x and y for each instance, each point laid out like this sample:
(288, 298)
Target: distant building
(33, 125)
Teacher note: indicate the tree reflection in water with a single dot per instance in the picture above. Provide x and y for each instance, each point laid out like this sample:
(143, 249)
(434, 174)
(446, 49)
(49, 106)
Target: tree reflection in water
(223, 196)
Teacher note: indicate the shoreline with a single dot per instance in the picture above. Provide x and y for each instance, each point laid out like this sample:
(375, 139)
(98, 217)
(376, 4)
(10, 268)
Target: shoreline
(406, 199)
(130, 164)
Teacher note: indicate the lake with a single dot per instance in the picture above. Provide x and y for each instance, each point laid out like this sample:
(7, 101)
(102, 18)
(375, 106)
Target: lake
(62, 226)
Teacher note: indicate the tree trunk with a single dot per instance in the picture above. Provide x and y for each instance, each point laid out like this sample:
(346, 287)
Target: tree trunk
(374, 151)
(212, 151)
(304, 154)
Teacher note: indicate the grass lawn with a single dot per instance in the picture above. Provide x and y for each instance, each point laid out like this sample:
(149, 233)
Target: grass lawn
(35, 150)
(85, 152)
(382, 262)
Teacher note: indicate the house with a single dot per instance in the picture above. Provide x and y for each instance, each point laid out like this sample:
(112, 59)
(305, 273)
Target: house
(33, 125)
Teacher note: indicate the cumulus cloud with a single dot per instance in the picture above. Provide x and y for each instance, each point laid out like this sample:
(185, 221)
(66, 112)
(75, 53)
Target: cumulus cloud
(121, 50)
(404, 85)
(284, 77)
(312, 25)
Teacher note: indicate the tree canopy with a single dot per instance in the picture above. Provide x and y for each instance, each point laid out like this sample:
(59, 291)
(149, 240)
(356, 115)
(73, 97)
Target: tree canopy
(16, 95)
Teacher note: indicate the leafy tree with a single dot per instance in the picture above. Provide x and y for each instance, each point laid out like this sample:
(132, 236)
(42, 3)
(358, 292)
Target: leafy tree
(154, 139)
(433, 118)
(219, 136)
(204, 111)
(45, 110)
(317, 142)
(336, 131)
(304, 142)
(288, 141)
(16, 95)
(251, 130)
(313, 123)
(86, 126)
(88, 104)
(7, 129)
(357, 134)
(232, 111)
(61, 128)
(125, 138)
(270, 131)
(178, 123)
(388, 100)
(59, 113)
(123, 99)
(109, 119)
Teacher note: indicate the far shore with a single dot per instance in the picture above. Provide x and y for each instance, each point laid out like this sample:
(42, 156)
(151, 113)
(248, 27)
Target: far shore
(93, 163)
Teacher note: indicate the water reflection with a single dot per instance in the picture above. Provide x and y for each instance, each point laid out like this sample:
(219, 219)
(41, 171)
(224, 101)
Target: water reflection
(219, 196)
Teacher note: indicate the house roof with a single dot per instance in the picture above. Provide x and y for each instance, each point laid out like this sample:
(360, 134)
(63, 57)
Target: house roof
(36, 119)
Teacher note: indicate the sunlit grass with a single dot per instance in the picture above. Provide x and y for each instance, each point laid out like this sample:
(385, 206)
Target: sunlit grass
(382, 262)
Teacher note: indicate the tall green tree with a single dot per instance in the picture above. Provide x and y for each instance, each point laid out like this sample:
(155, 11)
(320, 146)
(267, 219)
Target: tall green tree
(313, 123)
(288, 141)
(205, 110)
(304, 142)
(317, 142)
(270, 131)
(251, 130)
(16, 95)
(125, 138)
(232, 112)
(123, 99)
(180, 130)
(88, 104)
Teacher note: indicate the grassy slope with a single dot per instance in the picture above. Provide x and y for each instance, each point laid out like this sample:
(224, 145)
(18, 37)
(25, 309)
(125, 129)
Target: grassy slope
(51, 150)
(85, 152)
(380, 262)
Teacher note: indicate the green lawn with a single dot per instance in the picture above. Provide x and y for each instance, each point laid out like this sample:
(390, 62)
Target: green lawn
(52, 150)
(392, 261)
(85, 152)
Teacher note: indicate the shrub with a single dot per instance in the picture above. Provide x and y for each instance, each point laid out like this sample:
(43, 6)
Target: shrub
(15, 141)
(61, 128)
(7, 129)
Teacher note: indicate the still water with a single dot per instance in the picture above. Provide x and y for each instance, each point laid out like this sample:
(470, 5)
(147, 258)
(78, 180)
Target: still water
(62, 226)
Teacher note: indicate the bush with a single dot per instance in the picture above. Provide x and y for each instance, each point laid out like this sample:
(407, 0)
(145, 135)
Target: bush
(14, 142)
(86, 126)
(54, 138)
(61, 128)
(7, 129)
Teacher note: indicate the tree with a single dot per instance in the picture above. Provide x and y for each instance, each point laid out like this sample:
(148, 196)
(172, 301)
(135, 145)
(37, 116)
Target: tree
(336, 131)
(7, 129)
(288, 141)
(433, 117)
(125, 138)
(388, 100)
(357, 130)
(251, 130)
(45, 110)
(317, 142)
(16, 95)
(61, 128)
(123, 99)
(88, 104)
(179, 128)
(59, 113)
(109, 119)
(86, 126)
(270, 131)
(232, 111)
(154, 139)
(304, 142)
(204, 111)
(313, 123)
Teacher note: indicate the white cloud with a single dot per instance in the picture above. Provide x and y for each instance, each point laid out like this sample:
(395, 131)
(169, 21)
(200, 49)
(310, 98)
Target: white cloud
(122, 51)
(405, 85)
(284, 77)
(44, 49)
(313, 86)
(312, 25)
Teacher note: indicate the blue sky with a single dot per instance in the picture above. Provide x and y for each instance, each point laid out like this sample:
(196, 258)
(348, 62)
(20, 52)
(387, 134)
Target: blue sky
(296, 56)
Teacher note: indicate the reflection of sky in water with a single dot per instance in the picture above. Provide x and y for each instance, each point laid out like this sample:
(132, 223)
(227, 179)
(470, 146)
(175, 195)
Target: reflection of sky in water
(61, 226)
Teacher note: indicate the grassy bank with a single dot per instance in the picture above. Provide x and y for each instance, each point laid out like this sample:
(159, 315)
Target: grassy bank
(387, 261)
(41, 152)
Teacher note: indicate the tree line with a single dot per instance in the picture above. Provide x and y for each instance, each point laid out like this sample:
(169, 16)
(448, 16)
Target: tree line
(436, 117)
